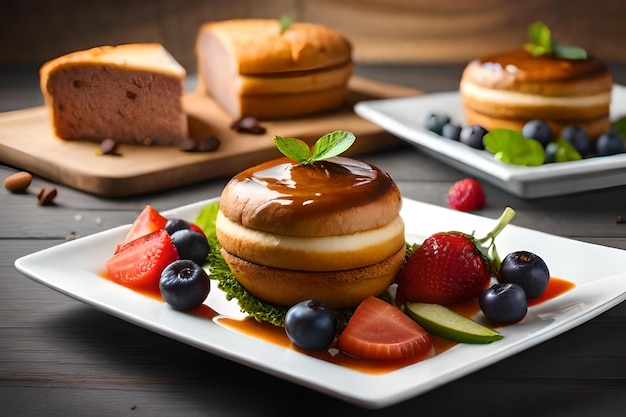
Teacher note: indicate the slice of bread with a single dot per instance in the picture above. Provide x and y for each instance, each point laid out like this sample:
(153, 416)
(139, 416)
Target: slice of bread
(130, 93)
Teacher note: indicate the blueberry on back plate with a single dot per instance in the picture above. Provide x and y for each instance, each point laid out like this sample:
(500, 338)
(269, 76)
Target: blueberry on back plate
(610, 143)
(451, 131)
(174, 224)
(550, 152)
(473, 136)
(578, 138)
(435, 121)
(191, 245)
(538, 130)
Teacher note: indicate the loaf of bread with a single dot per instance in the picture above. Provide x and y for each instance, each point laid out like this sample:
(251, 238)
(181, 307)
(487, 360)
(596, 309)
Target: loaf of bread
(508, 89)
(253, 68)
(130, 93)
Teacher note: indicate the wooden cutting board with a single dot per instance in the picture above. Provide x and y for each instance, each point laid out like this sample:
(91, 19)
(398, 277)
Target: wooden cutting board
(27, 142)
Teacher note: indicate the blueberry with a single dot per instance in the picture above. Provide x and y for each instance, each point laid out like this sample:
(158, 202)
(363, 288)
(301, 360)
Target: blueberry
(191, 245)
(538, 130)
(310, 325)
(451, 131)
(503, 303)
(184, 285)
(175, 224)
(435, 121)
(527, 270)
(610, 143)
(578, 138)
(473, 136)
(550, 153)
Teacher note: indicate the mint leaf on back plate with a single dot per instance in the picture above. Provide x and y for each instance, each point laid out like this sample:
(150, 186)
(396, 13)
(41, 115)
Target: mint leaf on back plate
(540, 42)
(569, 51)
(620, 126)
(540, 38)
(511, 147)
(565, 151)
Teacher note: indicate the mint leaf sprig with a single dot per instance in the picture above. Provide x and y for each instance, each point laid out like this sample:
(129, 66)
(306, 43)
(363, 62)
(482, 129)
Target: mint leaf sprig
(285, 21)
(541, 43)
(619, 126)
(329, 145)
(511, 147)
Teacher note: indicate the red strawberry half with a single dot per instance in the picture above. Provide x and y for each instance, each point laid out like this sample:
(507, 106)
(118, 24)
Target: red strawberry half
(450, 266)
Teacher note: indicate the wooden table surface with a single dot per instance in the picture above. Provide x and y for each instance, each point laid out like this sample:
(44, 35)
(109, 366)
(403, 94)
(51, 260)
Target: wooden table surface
(61, 357)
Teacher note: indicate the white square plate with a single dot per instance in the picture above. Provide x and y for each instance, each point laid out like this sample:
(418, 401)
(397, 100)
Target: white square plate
(404, 117)
(73, 268)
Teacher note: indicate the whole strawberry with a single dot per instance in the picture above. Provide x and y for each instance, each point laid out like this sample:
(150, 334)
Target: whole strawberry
(466, 195)
(449, 267)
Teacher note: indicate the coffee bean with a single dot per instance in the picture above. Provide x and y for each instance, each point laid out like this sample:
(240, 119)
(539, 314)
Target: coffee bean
(202, 145)
(248, 125)
(208, 144)
(46, 196)
(108, 146)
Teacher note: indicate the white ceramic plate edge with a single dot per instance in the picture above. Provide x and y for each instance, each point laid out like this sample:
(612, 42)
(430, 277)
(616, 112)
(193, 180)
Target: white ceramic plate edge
(404, 117)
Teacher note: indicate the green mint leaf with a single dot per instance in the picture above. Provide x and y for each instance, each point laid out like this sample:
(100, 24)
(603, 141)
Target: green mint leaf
(511, 147)
(285, 21)
(541, 43)
(332, 144)
(568, 51)
(620, 126)
(296, 149)
(565, 152)
(329, 145)
(540, 35)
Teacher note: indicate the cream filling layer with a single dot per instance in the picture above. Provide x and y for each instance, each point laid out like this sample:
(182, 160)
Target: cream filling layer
(325, 253)
(530, 100)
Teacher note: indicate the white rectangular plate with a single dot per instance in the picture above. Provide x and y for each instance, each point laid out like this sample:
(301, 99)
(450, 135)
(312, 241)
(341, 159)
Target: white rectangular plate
(404, 117)
(73, 268)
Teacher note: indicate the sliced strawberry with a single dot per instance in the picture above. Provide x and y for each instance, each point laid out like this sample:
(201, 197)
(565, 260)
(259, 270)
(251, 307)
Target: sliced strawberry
(148, 221)
(138, 264)
(377, 330)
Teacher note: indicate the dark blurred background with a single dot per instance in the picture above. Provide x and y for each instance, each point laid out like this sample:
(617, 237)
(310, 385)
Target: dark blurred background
(382, 31)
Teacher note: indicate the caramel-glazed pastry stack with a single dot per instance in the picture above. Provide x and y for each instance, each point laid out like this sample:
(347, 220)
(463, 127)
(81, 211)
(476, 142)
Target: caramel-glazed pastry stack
(509, 89)
(251, 67)
(331, 231)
